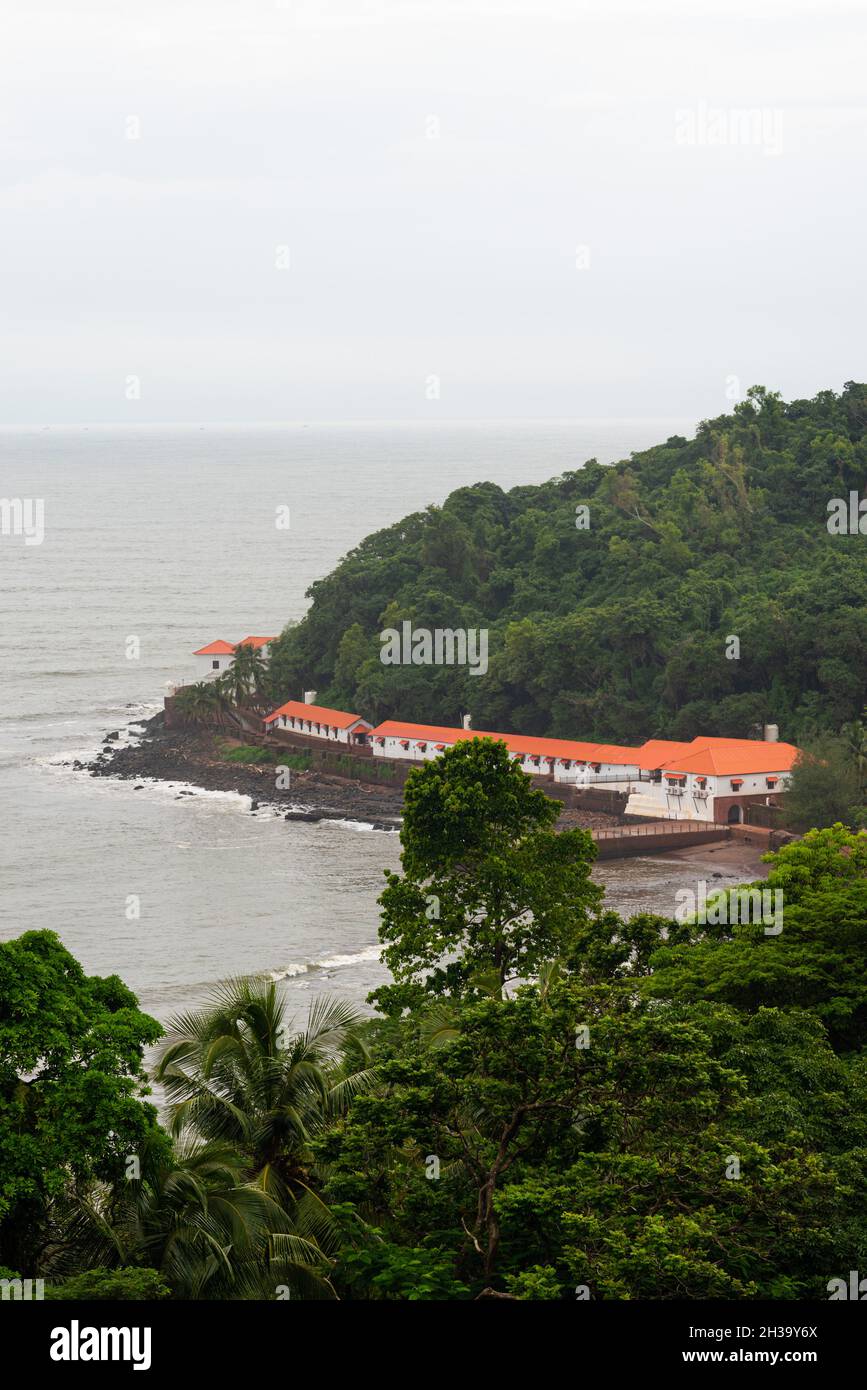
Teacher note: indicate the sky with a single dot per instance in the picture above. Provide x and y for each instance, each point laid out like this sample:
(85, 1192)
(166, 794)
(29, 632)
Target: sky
(284, 210)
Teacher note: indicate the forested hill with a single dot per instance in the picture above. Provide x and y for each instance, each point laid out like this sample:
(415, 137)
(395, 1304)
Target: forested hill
(620, 631)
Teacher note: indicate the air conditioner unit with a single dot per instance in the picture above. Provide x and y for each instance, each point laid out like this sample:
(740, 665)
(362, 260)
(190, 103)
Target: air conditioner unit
(675, 791)
(700, 795)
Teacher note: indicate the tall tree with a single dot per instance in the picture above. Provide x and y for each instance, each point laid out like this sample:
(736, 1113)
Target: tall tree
(71, 1086)
(488, 888)
(233, 1073)
(825, 785)
(815, 963)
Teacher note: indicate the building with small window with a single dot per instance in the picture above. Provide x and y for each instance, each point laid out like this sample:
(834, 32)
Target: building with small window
(315, 721)
(716, 779)
(217, 657)
(710, 779)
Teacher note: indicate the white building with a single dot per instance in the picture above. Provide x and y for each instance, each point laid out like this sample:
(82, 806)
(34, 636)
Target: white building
(315, 721)
(566, 760)
(708, 779)
(217, 657)
(715, 779)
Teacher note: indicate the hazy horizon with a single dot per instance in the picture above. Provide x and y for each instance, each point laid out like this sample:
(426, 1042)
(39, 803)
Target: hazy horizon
(375, 210)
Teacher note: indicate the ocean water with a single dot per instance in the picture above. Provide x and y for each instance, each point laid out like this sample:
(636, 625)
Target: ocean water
(156, 541)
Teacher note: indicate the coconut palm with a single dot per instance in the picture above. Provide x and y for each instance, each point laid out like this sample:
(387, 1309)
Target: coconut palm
(251, 667)
(232, 1073)
(234, 685)
(192, 1216)
(201, 703)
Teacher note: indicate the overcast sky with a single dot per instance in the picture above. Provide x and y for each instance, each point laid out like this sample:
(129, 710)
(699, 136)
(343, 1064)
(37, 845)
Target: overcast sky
(336, 209)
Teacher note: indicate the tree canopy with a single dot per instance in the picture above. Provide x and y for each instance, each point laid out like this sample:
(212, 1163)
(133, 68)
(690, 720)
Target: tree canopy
(618, 630)
(71, 1084)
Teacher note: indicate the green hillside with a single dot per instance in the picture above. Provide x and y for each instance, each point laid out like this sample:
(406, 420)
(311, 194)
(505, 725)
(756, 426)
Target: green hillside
(619, 630)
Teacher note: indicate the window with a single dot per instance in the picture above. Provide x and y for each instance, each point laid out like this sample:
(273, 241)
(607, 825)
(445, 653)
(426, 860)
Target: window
(215, 665)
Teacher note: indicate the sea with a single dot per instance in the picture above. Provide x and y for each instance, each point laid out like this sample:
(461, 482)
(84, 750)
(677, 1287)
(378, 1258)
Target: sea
(156, 541)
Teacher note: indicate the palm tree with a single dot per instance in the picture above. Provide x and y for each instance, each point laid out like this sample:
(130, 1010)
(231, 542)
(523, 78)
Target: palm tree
(211, 1234)
(201, 703)
(234, 684)
(233, 1074)
(251, 667)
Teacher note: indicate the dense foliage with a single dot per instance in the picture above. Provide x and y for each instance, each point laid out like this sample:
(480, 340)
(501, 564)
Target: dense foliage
(619, 630)
(667, 1111)
(71, 1082)
(553, 1103)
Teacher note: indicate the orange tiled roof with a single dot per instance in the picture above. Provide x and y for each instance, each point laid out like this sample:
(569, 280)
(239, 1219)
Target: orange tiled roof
(657, 752)
(516, 743)
(708, 756)
(256, 642)
(615, 753)
(218, 648)
(318, 714)
(726, 757)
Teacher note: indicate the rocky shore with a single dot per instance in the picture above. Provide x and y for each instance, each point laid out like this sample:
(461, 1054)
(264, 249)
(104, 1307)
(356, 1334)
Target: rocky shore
(193, 757)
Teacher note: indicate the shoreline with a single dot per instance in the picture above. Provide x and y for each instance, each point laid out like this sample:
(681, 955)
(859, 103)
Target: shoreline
(191, 757)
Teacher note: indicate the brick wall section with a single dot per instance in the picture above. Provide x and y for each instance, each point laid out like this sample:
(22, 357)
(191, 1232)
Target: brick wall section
(762, 836)
(641, 842)
(721, 804)
(358, 764)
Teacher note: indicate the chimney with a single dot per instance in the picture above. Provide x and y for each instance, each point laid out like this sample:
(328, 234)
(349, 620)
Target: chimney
(467, 724)
(772, 733)
(309, 697)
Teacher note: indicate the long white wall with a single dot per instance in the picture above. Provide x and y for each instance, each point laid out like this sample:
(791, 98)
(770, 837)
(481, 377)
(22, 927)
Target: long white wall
(535, 765)
(312, 728)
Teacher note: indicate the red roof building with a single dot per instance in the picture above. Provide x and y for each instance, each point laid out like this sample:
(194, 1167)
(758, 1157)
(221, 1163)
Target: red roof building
(317, 721)
(218, 648)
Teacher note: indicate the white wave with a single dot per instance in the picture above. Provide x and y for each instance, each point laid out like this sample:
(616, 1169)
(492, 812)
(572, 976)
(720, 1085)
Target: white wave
(235, 799)
(289, 972)
(62, 762)
(358, 825)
